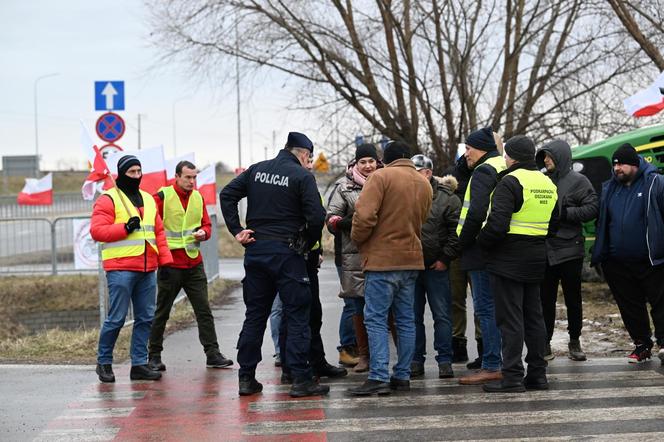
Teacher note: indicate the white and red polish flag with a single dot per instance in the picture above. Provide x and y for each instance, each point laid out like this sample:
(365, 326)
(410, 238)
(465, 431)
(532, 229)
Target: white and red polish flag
(37, 192)
(153, 167)
(206, 183)
(172, 162)
(648, 101)
(100, 174)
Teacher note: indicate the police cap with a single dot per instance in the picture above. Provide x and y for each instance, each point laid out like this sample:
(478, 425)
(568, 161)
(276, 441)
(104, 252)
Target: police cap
(297, 139)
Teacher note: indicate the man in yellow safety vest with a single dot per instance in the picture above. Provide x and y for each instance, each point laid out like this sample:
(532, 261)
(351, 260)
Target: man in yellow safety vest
(187, 223)
(521, 216)
(131, 236)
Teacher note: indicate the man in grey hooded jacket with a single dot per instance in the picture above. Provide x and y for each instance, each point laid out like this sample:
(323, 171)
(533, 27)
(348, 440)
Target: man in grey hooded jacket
(577, 204)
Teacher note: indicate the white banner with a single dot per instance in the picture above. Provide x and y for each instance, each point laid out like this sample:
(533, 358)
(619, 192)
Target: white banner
(85, 248)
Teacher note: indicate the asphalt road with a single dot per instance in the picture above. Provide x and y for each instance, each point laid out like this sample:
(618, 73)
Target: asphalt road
(602, 399)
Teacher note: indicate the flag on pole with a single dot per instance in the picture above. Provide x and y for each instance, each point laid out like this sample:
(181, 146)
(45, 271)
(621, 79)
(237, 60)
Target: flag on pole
(99, 172)
(648, 101)
(153, 167)
(206, 182)
(172, 162)
(37, 192)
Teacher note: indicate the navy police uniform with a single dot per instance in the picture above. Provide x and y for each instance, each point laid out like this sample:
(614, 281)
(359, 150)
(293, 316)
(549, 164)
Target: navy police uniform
(283, 205)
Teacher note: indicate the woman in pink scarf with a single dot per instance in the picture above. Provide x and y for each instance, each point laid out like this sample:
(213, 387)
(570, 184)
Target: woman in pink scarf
(340, 211)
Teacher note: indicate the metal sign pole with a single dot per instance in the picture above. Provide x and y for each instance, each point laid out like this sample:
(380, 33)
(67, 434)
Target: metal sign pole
(102, 292)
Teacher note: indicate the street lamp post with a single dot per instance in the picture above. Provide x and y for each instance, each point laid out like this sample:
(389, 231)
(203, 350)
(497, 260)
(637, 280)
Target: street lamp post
(37, 115)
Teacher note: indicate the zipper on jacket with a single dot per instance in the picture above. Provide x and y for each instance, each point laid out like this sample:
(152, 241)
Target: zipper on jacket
(647, 212)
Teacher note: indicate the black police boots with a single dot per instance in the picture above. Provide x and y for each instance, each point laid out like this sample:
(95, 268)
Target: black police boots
(249, 385)
(155, 363)
(105, 373)
(218, 360)
(308, 388)
(143, 373)
(329, 371)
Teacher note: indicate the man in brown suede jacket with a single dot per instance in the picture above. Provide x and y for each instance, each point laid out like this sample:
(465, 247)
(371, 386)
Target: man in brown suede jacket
(387, 225)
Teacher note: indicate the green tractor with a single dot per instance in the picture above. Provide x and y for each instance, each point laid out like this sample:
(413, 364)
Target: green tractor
(594, 160)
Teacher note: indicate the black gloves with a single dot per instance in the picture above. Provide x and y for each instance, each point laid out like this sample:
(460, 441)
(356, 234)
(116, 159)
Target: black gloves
(134, 223)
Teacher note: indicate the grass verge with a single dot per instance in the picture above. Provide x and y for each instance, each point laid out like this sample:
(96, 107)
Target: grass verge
(80, 346)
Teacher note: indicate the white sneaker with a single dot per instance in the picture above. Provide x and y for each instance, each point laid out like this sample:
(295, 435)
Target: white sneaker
(660, 354)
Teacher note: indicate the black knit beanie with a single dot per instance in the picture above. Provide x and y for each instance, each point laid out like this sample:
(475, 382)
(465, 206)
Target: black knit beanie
(366, 150)
(126, 162)
(626, 154)
(520, 148)
(482, 139)
(395, 150)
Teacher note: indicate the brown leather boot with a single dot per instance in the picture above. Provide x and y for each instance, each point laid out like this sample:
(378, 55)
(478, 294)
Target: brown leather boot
(362, 340)
(347, 358)
(481, 377)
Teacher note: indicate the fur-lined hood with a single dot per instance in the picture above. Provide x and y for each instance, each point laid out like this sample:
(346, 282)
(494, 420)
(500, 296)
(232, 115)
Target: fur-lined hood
(448, 181)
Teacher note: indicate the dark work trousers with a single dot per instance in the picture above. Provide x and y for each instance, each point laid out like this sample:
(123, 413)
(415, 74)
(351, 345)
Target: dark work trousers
(194, 282)
(316, 349)
(459, 281)
(271, 268)
(519, 318)
(568, 274)
(633, 285)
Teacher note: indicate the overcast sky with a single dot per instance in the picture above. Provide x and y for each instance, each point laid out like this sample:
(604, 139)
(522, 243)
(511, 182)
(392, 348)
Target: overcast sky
(87, 41)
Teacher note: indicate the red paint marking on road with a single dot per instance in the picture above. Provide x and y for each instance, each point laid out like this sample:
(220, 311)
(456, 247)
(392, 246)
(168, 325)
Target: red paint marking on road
(192, 404)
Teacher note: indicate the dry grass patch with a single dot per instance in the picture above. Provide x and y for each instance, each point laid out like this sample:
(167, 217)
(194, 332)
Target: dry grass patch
(80, 346)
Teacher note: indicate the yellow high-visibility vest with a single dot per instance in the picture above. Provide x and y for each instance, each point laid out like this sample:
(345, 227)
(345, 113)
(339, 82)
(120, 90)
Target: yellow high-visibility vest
(180, 224)
(497, 163)
(134, 243)
(539, 200)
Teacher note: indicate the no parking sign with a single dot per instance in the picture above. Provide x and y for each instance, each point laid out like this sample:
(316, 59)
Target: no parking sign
(110, 127)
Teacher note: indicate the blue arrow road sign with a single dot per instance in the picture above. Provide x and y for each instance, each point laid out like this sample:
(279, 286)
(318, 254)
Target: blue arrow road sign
(109, 95)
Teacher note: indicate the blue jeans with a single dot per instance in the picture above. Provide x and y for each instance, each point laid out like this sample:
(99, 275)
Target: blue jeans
(484, 305)
(434, 286)
(141, 289)
(384, 291)
(346, 330)
(275, 322)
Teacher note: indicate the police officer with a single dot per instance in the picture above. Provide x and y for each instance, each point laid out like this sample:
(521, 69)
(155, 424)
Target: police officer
(522, 215)
(284, 219)
(187, 223)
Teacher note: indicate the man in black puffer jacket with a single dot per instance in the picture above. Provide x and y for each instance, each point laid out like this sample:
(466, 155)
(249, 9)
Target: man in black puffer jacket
(440, 245)
(522, 215)
(577, 204)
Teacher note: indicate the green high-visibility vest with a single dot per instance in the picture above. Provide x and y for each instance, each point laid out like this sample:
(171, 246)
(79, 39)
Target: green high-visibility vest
(180, 224)
(539, 200)
(497, 163)
(134, 243)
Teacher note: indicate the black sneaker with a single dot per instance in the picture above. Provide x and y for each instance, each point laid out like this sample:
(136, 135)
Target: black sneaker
(641, 353)
(155, 364)
(329, 371)
(370, 387)
(249, 385)
(105, 372)
(416, 369)
(539, 383)
(143, 373)
(218, 360)
(503, 387)
(308, 388)
(277, 360)
(399, 384)
(575, 352)
(548, 353)
(445, 370)
(475, 365)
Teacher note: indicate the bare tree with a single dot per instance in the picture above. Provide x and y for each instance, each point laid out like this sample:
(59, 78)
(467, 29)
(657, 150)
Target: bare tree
(649, 35)
(425, 72)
